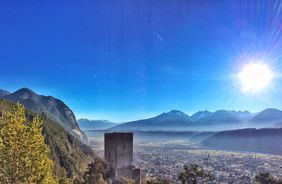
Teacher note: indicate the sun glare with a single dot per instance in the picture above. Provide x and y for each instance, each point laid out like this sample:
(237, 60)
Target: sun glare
(255, 77)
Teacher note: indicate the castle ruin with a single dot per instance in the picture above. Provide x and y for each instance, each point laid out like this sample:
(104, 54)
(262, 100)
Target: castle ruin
(119, 156)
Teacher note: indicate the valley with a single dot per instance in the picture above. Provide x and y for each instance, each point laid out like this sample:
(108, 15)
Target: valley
(219, 141)
(164, 156)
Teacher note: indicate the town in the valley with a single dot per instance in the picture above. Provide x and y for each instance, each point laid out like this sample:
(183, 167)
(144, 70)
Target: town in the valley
(166, 160)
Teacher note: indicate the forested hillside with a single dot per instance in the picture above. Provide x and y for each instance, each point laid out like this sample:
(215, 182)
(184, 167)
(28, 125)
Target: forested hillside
(71, 157)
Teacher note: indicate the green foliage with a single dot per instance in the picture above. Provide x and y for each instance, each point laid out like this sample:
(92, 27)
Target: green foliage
(266, 178)
(23, 153)
(95, 172)
(192, 173)
(64, 181)
(70, 156)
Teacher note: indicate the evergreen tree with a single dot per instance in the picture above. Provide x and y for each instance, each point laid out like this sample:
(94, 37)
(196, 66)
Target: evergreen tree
(23, 154)
(192, 173)
(266, 178)
(94, 173)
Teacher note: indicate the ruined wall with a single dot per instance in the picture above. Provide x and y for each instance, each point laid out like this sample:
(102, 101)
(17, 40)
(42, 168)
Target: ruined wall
(119, 152)
(109, 146)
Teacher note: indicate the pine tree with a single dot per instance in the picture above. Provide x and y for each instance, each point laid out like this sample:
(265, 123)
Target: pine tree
(266, 178)
(23, 154)
(94, 173)
(192, 173)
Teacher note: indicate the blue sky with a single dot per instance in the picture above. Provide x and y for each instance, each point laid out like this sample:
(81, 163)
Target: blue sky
(129, 59)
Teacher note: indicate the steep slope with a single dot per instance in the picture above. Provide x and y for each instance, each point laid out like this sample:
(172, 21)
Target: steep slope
(70, 156)
(86, 124)
(252, 140)
(3, 93)
(267, 118)
(173, 120)
(53, 108)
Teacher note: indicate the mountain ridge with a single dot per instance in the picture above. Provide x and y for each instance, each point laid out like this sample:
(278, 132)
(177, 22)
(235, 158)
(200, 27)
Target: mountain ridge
(247, 140)
(170, 119)
(86, 124)
(269, 115)
(204, 120)
(54, 108)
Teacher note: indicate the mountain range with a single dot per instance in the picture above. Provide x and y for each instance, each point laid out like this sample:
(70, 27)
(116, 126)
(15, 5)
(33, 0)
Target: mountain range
(86, 124)
(53, 108)
(205, 121)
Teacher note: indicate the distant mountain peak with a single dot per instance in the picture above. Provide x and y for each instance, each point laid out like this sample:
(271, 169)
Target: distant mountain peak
(87, 124)
(221, 111)
(267, 116)
(174, 113)
(25, 92)
(173, 120)
(271, 110)
(200, 114)
(244, 111)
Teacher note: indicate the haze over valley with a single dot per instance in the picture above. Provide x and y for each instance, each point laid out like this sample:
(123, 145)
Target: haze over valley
(222, 129)
(213, 136)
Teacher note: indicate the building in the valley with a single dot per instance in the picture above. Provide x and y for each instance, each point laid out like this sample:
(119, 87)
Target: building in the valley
(119, 156)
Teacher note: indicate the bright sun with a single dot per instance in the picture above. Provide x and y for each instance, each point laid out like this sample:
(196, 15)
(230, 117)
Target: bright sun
(255, 77)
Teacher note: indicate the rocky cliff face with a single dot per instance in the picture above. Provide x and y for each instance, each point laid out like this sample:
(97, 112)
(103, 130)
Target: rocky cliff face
(53, 108)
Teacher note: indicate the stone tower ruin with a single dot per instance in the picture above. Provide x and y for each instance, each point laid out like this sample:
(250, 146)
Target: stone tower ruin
(119, 155)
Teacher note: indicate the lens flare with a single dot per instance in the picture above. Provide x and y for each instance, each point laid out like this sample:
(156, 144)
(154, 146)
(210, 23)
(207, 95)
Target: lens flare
(255, 77)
